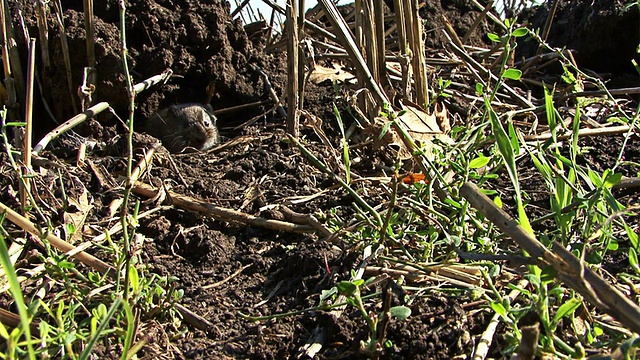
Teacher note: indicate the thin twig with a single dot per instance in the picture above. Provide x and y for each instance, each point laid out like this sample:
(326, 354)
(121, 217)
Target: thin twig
(28, 136)
(220, 213)
(65, 53)
(58, 243)
(68, 125)
(569, 269)
(293, 82)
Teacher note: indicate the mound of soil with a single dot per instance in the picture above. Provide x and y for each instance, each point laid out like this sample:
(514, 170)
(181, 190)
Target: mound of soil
(209, 53)
(224, 269)
(604, 35)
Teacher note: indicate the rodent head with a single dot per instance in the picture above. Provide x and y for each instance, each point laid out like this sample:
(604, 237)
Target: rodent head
(196, 128)
(203, 132)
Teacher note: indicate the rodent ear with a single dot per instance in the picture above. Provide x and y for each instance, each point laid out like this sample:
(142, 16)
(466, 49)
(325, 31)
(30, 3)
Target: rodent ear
(208, 108)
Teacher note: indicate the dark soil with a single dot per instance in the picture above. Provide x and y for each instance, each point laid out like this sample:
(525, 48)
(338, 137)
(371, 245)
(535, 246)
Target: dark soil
(603, 36)
(226, 269)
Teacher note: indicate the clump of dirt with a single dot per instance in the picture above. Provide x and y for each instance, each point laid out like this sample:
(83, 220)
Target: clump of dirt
(209, 53)
(603, 35)
(461, 15)
(224, 269)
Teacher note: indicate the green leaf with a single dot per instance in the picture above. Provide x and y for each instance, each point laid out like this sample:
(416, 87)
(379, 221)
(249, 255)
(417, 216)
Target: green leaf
(134, 279)
(566, 309)
(327, 294)
(110, 314)
(3, 332)
(498, 201)
(385, 129)
(547, 275)
(494, 37)
(513, 135)
(347, 288)
(400, 312)
(513, 74)
(595, 178)
(11, 278)
(612, 179)
(479, 162)
(479, 88)
(499, 308)
(633, 260)
(505, 146)
(633, 236)
(520, 32)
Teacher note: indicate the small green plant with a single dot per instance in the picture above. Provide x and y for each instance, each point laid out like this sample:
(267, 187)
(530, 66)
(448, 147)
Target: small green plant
(376, 322)
(440, 91)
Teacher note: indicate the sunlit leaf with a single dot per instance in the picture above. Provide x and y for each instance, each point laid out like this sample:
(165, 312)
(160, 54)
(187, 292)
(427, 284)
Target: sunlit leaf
(633, 260)
(566, 309)
(479, 162)
(513, 74)
(498, 308)
(612, 179)
(633, 236)
(134, 279)
(494, 37)
(520, 32)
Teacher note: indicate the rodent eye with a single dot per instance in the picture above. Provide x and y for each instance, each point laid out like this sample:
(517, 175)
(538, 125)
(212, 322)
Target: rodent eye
(207, 123)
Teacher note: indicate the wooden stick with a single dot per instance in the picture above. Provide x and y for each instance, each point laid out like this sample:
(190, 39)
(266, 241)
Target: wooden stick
(484, 343)
(378, 22)
(611, 130)
(68, 125)
(421, 85)
(239, 8)
(293, 96)
(547, 24)
(623, 91)
(91, 52)
(220, 213)
(9, 83)
(14, 55)
(569, 269)
(473, 64)
(241, 107)
(28, 134)
(272, 93)
(12, 320)
(494, 18)
(58, 243)
(344, 34)
(477, 22)
(143, 164)
(43, 32)
(156, 79)
(65, 54)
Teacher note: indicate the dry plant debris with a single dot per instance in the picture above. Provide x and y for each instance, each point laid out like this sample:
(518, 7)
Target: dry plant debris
(398, 179)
